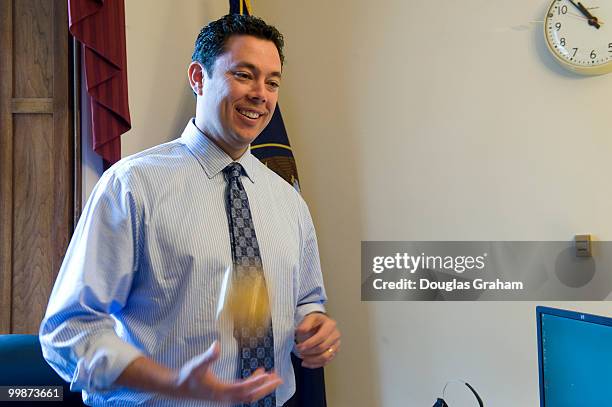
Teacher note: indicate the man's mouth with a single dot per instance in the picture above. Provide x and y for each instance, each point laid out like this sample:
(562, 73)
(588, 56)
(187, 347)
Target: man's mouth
(251, 114)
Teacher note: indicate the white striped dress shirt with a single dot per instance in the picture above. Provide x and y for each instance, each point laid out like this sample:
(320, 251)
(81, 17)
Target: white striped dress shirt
(144, 268)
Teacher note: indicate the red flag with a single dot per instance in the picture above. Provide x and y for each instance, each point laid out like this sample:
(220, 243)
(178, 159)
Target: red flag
(100, 27)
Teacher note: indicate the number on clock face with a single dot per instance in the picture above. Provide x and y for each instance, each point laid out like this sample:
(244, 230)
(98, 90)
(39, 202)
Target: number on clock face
(580, 32)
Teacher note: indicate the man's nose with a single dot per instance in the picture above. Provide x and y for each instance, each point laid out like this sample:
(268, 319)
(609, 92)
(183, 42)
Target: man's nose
(257, 92)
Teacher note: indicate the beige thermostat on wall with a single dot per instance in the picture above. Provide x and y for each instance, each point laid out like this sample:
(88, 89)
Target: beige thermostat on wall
(579, 35)
(583, 245)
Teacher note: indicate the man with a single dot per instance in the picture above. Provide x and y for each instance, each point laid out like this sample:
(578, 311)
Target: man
(133, 318)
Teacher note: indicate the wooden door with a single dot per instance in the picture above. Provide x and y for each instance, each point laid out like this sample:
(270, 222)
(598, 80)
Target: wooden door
(36, 157)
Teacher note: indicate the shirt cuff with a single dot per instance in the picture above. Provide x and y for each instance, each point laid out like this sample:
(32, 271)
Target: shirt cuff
(106, 358)
(305, 309)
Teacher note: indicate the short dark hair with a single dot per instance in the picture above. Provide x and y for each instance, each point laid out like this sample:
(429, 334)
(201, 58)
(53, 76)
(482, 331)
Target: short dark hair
(213, 37)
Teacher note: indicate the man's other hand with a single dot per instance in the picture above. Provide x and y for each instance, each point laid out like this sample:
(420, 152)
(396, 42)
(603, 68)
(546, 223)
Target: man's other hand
(318, 340)
(196, 380)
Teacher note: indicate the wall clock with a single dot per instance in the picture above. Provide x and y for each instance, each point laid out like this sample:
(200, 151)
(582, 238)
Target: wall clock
(579, 35)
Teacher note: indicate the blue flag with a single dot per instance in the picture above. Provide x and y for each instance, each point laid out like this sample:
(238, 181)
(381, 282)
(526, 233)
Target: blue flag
(273, 149)
(240, 7)
(272, 146)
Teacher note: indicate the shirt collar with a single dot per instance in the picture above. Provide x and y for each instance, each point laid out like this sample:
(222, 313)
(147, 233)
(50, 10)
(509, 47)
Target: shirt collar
(210, 156)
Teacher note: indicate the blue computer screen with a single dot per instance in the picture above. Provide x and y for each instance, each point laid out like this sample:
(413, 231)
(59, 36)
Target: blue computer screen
(576, 362)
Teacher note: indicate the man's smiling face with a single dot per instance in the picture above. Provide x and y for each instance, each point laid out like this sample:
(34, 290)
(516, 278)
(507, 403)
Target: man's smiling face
(237, 102)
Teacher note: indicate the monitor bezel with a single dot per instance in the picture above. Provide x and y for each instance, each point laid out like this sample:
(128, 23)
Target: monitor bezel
(579, 316)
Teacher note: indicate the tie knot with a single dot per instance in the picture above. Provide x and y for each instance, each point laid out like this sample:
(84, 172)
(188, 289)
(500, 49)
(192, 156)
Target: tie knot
(233, 170)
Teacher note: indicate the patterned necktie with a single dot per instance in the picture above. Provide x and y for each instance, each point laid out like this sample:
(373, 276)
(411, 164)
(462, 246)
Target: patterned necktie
(254, 336)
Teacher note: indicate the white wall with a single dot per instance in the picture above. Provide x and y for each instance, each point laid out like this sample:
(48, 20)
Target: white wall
(160, 37)
(412, 120)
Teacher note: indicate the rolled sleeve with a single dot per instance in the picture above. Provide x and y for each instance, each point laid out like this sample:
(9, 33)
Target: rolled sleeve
(78, 335)
(305, 309)
(100, 367)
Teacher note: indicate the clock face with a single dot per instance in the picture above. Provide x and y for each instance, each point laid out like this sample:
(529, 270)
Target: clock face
(579, 34)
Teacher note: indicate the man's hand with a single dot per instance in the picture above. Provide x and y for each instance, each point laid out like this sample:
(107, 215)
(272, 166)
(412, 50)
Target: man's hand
(318, 340)
(196, 380)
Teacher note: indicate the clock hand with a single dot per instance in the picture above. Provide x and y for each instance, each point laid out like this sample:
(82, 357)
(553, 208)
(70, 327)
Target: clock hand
(592, 20)
(581, 17)
(581, 8)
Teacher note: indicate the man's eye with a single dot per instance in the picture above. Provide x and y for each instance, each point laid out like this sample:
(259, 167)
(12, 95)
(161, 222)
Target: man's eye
(274, 85)
(242, 75)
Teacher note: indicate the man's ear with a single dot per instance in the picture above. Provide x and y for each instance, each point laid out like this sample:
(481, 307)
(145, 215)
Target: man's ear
(196, 75)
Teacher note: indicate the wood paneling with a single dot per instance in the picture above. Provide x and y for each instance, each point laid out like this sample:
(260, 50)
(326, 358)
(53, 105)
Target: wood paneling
(63, 141)
(32, 219)
(32, 105)
(37, 157)
(6, 163)
(33, 48)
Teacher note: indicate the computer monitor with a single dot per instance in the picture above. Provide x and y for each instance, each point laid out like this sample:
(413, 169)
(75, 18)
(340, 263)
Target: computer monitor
(575, 358)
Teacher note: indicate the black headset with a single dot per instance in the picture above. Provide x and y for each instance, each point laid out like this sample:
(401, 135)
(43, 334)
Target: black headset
(441, 403)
